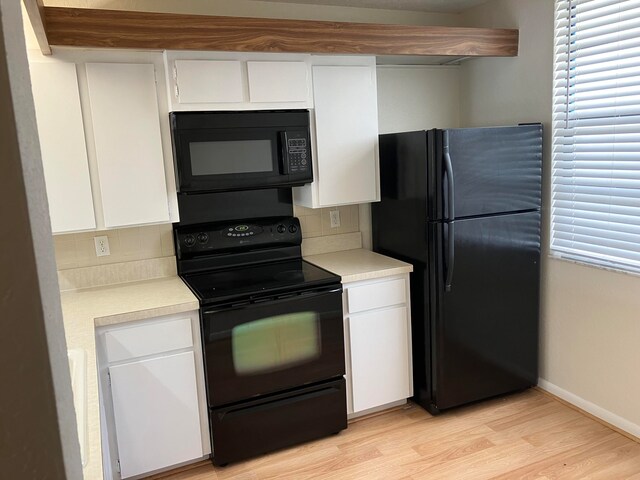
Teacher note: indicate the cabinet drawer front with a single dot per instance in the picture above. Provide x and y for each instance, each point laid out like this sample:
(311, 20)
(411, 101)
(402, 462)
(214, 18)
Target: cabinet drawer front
(377, 295)
(148, 339)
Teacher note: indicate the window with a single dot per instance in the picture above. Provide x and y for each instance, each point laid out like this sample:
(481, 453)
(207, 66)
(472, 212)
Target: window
(595, 215)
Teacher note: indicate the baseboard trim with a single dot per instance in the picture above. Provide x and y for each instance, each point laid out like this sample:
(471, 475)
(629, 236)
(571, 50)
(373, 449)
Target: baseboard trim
(607, 418)
(375, 411)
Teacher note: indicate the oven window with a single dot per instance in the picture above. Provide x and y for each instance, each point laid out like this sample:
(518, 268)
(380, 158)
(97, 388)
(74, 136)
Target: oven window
(276, 343)
(225, 157)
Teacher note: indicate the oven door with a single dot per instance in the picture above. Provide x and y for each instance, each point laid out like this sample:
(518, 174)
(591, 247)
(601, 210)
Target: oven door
(273, 345)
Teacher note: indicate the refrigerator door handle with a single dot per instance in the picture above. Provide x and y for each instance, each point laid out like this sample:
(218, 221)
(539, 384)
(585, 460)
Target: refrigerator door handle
(450, 255)
(449, 170)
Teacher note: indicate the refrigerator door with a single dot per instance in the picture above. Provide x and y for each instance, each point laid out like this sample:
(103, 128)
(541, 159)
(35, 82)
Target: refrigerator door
(487, 171)
(484, 336)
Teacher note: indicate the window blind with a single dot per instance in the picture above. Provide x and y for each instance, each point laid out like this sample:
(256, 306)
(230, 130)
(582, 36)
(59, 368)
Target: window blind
(595, 212)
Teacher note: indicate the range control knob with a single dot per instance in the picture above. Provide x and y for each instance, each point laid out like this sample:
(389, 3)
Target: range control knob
(293, 228)
(281, 228)
(189, 241)
(203, 238)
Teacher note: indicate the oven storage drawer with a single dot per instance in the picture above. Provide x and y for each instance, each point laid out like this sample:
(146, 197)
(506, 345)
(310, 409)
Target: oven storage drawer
(259, 426)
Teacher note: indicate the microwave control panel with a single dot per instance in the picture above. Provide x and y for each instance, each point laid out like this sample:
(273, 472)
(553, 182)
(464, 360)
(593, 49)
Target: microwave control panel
(298, 152)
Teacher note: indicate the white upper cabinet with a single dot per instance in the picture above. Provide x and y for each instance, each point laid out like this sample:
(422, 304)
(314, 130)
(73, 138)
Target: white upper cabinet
(62, 142)
(200, 81)
(103, 125)
(209, 81)
(278, 82)
(128, 144)
(346, 137)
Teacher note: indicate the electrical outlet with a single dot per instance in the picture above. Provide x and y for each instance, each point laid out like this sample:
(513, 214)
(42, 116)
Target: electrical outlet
(102, 246)
(334, 215)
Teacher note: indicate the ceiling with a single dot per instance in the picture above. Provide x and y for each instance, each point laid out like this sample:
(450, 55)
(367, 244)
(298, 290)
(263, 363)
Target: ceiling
(448, 6)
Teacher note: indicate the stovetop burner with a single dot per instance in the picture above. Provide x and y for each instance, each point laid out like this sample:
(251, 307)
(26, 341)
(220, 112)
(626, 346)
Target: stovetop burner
(256, 280)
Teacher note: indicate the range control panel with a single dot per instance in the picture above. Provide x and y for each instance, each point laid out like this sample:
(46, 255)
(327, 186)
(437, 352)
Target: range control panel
(243, 235)
(298, 151)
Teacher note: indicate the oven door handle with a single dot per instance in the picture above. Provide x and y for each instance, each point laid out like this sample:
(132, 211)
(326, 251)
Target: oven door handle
(285, 297)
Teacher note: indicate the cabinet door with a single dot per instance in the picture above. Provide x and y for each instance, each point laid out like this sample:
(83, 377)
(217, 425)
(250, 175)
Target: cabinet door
(126, 127)
(209, 81)
(155, 405)
(346, 115)
(62, 143)
(277, 82)
(379, 347)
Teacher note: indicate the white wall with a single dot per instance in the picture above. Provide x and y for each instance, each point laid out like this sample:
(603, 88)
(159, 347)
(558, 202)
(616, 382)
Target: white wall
(413, 97)
(418, 97)
(590, 338)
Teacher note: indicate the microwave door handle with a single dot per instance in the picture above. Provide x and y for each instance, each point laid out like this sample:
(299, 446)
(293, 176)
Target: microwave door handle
(284, 154)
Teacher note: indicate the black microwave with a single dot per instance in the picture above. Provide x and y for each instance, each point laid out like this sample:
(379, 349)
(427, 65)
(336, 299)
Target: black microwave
(226, 151)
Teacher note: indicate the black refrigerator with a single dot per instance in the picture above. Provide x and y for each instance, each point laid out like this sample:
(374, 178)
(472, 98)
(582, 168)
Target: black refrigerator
(463, 206)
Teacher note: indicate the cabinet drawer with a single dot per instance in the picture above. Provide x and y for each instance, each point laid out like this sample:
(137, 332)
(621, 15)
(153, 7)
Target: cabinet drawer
(377, 295)
(148, 339)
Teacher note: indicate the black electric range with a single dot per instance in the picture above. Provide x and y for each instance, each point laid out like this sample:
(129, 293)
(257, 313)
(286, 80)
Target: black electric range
(272, 335)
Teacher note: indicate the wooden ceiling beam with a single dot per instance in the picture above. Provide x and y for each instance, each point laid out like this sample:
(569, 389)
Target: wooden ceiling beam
(35, 12)
(168, 31)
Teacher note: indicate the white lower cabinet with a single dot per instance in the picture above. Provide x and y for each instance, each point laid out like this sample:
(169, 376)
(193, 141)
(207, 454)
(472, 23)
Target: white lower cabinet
(152, 396)
(155, 406)
(377, 343)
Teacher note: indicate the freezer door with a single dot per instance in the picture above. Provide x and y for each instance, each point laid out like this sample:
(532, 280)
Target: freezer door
(485, 325)
(487, 171)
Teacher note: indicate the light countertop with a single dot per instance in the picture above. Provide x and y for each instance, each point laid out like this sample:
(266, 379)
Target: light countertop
(359, 264)
(84, 310)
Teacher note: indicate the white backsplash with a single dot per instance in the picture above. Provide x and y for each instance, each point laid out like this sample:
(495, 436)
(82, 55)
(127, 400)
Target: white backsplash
(140, 253)
(317, 222)
(77, 250)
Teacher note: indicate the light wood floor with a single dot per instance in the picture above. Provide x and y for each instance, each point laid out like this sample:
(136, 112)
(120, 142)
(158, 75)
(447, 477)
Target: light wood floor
(523, 436)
